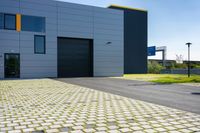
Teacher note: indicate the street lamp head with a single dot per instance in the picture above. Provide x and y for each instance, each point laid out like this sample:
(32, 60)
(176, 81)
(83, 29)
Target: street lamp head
(189, 43)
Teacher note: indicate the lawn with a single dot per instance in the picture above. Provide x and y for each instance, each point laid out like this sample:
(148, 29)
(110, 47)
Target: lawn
(164, 78)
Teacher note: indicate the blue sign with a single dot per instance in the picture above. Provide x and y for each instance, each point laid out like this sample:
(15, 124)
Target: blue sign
(152, 51)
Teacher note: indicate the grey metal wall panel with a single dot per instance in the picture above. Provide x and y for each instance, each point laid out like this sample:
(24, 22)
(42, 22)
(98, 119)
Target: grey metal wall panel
(9, 35)
(102, 64)
(75, 6)
(9, 39)
(9, 6)
(135, 40)
(41, 2)
(75, 28)
(43, 65)
(64, 20)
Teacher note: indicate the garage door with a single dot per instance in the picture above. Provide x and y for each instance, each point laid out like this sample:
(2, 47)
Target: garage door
(75, 57)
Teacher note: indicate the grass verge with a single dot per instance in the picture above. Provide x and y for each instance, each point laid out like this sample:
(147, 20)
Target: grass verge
(164, 78)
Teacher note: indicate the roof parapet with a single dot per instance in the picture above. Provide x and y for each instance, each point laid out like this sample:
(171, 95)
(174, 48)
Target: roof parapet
(126, 7)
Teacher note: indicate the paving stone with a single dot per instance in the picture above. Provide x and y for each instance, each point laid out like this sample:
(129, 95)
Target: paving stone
(194, 129)
(15, 131)
(6, 128)
(113, 131)
(39, 104)
(136, 128)
(56, 126)
(125, 130)
(185, 131)
(150, 131)
(113, 127)
(90, 130)
(160, 129)
(76, 131)
(77, 127)
(52, 131)
(20, 127)
(33, 125)
(101, 128)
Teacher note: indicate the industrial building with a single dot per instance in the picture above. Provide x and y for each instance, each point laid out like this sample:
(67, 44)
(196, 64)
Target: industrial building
(46, 38)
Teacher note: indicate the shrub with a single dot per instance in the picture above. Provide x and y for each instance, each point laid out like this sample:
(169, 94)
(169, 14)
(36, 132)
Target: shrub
(154, 67)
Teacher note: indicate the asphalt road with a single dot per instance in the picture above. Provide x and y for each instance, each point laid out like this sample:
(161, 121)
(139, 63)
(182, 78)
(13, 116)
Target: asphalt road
(176, 96)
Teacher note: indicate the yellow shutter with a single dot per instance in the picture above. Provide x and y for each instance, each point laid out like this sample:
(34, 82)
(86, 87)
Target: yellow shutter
(18, 22)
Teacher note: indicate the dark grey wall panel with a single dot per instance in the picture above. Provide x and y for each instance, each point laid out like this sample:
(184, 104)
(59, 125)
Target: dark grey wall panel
(135, 41)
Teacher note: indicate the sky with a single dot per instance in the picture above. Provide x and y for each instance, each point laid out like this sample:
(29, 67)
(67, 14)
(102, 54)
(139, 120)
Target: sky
(171, 23)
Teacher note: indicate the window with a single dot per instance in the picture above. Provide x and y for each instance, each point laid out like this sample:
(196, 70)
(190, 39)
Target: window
(1, 21)
(39, 44)
(32, 23)
(9, 21)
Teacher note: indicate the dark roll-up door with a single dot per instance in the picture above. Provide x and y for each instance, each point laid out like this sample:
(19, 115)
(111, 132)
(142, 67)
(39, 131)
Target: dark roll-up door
(75, 57)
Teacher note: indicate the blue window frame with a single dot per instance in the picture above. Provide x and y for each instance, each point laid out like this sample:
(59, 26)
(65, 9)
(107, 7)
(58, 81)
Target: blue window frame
(33, 23)
(39, 44)
(10, 21)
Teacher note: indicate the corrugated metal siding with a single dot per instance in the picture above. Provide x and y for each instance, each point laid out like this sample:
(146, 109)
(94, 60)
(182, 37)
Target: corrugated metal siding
(9, 40)
(39, 65)
(108, 27)
(64, 20)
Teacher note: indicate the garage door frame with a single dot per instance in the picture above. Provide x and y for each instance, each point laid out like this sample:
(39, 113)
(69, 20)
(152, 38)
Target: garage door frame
(91, 74)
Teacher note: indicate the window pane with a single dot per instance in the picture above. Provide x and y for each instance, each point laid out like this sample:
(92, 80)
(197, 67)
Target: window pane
(31, 23)
(1, 21)
(40, 44)
(10, 22)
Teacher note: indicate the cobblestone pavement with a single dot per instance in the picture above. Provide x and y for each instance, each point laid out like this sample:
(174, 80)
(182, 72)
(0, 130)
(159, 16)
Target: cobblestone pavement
(50, 106)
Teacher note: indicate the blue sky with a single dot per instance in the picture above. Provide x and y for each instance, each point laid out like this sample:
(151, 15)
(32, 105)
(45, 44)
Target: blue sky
(171, 23)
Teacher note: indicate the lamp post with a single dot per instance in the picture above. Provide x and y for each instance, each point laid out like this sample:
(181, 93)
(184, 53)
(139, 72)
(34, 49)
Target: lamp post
(188, 44)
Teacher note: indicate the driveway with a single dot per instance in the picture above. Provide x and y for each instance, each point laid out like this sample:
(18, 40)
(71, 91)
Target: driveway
(176, 96)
